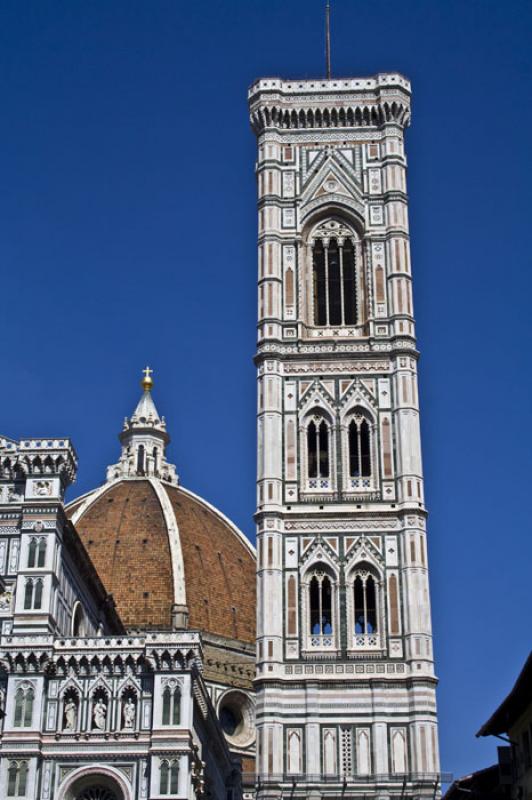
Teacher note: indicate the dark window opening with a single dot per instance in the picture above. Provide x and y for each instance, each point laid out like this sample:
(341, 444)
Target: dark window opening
(37, 603)
(140, 460)
(228, 721)
(320, 288)
(365, 597)
(335, 294)
(318, 450)
(321, 621)
(359, 442)
(324, 450)
(365, 456)
(312, 445)
(28, 594)
(32, 552)
(334, 283)
(41, 553)
(350, 298)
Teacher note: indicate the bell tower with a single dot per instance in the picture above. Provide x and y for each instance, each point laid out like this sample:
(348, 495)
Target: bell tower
(345, 678)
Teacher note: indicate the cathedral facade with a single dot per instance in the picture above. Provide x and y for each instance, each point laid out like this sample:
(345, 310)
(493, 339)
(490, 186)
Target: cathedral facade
(131, 668)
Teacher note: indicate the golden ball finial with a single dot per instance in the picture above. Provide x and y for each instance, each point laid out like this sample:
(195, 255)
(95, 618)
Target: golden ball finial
(147, 380)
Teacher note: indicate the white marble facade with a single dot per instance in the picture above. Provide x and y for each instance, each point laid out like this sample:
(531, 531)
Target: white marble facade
(89, 711)
(346, 685)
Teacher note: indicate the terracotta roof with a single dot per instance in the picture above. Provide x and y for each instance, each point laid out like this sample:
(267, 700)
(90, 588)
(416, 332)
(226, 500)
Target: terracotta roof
(125, 530)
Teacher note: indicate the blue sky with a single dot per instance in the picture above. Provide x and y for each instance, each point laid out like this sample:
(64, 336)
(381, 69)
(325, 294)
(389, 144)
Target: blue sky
(128, 237)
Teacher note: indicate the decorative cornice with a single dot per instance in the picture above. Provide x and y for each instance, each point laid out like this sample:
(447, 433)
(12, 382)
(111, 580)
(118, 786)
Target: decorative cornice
(340, 103)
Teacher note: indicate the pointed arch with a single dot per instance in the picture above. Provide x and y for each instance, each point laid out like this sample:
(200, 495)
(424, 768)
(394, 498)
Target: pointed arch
(320, 607)
(365, 607)
(334, 263)
(171, 706)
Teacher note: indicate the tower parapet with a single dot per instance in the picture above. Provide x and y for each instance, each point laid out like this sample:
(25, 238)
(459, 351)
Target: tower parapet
(340, 103)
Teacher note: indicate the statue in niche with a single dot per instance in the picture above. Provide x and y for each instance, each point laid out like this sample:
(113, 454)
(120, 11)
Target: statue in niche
(71, 713)
(5, 601)
(129, 714)
(99, 714)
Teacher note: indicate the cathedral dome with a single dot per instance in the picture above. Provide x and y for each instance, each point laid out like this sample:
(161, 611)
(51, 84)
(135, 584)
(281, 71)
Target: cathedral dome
(168, 557)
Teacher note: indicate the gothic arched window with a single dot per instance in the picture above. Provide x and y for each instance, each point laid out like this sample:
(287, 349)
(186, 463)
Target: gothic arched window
(41, 552)
(32, 552)
(17, 776)
(365, 591)
(320, 605)
(359, 437)
(169, 774)
(171, 706)
(33, 594)
(334, 276)
(28, 594)
(318, 449)
(37, 597)
(23, 707)
(365, 606)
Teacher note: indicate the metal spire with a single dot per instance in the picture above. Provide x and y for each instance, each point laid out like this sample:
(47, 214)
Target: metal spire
(328, 39)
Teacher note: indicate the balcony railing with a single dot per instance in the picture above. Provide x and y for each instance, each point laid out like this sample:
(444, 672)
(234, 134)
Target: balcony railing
(321, 641)
(366, 641)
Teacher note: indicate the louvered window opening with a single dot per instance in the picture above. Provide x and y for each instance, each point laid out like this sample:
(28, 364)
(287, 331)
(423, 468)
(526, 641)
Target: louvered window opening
(335, 300)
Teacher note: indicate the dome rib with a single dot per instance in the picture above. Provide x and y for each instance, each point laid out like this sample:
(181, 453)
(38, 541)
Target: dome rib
(178, 567)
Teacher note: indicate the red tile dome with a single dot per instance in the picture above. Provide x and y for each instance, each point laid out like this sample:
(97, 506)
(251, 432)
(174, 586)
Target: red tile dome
(157, 546)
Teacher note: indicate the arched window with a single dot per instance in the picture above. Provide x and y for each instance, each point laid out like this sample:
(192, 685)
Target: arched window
(318, 449)
(28, 594)
(17, 776)
(359, 437)
(41, 552)
(169, 774)
(365, 604)
(37, 597)
(32, 551)
(164, 773)
(23, 707)
(321, 609)
(334, 276)
(155, 460)
(366, 607)
(140, 460)
(171, 705)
